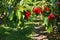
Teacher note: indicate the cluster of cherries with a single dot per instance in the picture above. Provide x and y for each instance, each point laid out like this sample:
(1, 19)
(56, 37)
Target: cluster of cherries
(38, 11)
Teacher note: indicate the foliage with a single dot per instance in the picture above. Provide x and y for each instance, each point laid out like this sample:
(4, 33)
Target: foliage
(19, 11)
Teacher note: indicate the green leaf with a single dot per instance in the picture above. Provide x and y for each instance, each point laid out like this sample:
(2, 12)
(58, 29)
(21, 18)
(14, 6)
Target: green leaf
(28, 7)
(45, 21)
(18, 14)
(52, 1)
(10, 12)
(20, 8)
(25, 1)
(11, 15)
(21, 2)
(49, 28)
(19, 23)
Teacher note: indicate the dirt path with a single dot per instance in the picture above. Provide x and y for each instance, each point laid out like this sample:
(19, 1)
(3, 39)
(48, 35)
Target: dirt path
(41, 34)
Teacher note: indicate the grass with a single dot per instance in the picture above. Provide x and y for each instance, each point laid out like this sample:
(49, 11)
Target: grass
(9, 31)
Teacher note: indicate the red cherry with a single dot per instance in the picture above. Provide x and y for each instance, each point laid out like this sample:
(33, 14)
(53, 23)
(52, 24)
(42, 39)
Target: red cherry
(50, 17)
(37, 10)
(27, 15)
(46, 8)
